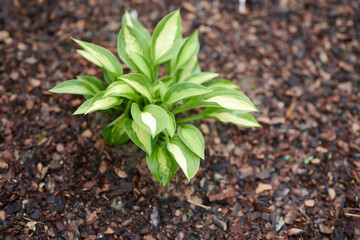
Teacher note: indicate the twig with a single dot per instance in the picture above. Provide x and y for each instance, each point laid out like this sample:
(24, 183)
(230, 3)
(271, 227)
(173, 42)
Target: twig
(300, 210)
(199, 205)
(32, 220)
(352, 215)
(351, 209)
(107, 155)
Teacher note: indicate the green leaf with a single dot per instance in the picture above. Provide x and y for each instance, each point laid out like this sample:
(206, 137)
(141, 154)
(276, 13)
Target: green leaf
(102, 55)
(139, 136)
(188, 161)
(221, 98)
(114, 133)
(83, 107)
(168, 81)
(140, 84)
(152, 119)
(128, 20)
(166, 39)
(193, 139)
(201, 77)
(184, 90)
(96, 84)
(109, 76)
(142, 64)
(188, 70)
(162, 89)
(121, 89)
(215, 83)
(161, 164)
(130, 40)
(74, 87)
(188, 50)
(99, 102)
(171, 127)
(228, 116)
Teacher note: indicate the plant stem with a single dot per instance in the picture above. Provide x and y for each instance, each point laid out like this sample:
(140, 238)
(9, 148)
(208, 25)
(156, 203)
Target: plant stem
(128, 105)
(155, 69)
(191, 118)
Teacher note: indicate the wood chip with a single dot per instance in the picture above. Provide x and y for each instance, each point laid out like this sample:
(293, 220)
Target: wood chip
(263, 187)
(109, 231)
(309, 203)
(331, 193)
(325, 229)
(291, 215)
(294, 231)
(120, 173)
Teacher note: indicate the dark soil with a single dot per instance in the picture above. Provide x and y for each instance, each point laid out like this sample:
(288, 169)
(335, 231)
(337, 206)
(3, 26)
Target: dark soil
(297, 177)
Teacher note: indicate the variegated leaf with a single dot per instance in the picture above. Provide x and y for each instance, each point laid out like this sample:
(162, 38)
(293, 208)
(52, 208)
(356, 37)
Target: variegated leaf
(193, 139)
(109, 76)
(215, 83)
(188, 161)
(128, 20)
(131, 41)
(114, 133)
(99, 102)
(201, 77)
(228, 116)
(96, 84)
(190, 48)
(184, 90)
(171, 127)
(139, 136)
(140, 84)
(152, 118)
(74, 87)
(188, 69)
(121, 89)
(143, 64)
(83, 107)
(162, 164)
(166, 39)
(220, 97)
(103, 56)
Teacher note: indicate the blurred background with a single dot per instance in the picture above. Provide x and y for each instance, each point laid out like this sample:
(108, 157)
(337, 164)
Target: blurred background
(296, 177)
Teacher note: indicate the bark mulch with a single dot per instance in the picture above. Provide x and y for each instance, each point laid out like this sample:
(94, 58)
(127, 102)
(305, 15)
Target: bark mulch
(297, 177)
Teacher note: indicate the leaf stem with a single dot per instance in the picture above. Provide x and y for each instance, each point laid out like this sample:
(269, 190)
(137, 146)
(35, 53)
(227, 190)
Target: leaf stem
(128, 105)
(191, 118)
(155, 69)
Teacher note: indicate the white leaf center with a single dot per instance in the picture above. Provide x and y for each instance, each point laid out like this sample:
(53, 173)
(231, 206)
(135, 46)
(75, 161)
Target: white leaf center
(229, 102)
(150, 121)
(179, 156)
(227, 117)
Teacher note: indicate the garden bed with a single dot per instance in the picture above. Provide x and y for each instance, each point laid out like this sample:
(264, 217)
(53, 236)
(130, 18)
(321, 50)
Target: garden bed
(296, 177)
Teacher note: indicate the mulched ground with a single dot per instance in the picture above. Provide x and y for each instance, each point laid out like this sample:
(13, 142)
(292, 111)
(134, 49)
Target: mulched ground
(298, 177)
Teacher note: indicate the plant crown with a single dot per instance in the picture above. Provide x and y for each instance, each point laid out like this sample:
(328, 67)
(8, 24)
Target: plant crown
(146, 105)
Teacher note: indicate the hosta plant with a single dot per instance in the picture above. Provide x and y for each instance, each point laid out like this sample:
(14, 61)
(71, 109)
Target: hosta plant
(146, 106)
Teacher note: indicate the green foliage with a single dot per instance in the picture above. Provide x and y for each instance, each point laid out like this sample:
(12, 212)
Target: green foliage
(145, 105)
